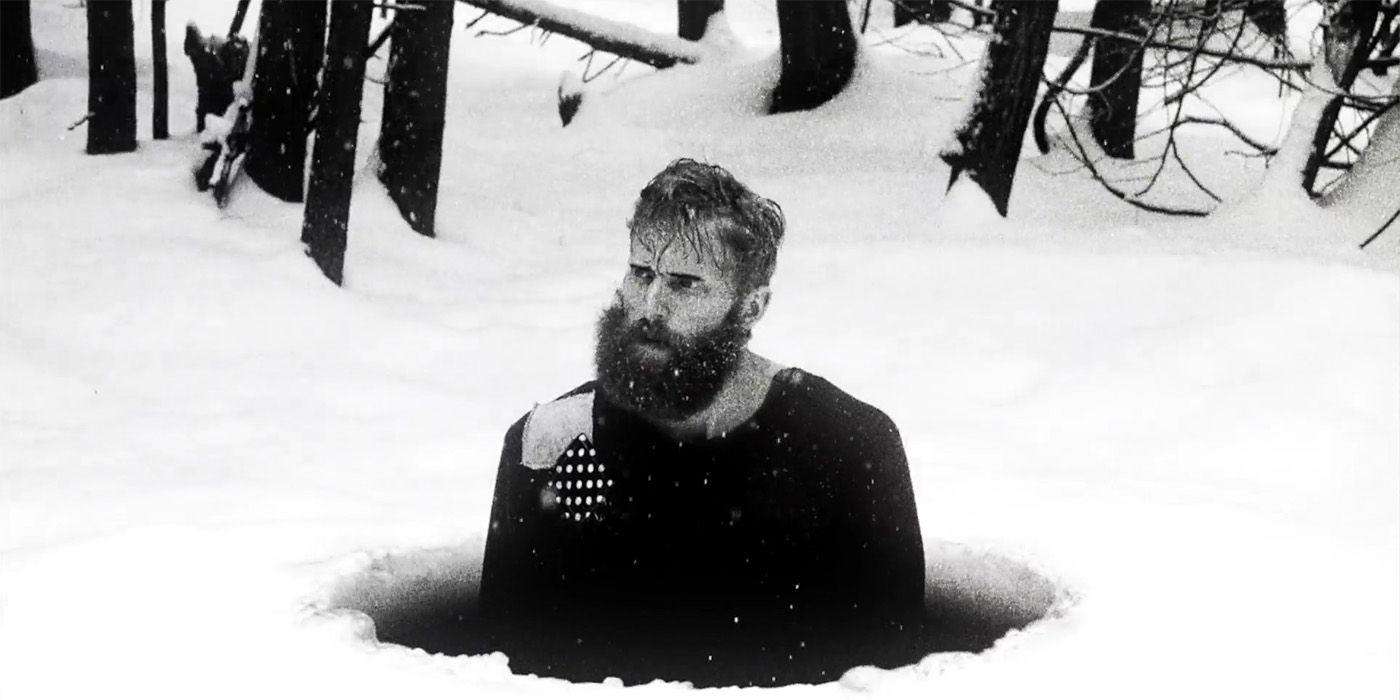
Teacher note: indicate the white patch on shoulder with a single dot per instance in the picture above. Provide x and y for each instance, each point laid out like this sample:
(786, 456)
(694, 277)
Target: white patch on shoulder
(552, 426)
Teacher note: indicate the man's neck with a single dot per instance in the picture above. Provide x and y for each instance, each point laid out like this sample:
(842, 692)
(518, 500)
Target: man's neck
(737, 401)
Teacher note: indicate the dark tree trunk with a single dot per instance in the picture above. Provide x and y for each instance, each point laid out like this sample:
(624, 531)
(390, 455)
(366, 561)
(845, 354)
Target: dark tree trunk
(1117, 75)
(1348, 41)
(930, 11)
(111, 40)
(239, 13)
(160, 88)
(17, 68)
(818, 53)
(415, 99)
(989, 141)
(694, 15)
(327, 212)
(291, 41)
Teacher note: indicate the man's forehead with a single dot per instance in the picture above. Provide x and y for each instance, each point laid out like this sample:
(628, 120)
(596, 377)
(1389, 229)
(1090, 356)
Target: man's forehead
(672, 254)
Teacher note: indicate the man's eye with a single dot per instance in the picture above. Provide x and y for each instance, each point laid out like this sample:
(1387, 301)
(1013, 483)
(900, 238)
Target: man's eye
(644, 274)
(681, 284)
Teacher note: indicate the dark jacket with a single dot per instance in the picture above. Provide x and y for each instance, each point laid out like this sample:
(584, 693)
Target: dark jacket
(785, 550)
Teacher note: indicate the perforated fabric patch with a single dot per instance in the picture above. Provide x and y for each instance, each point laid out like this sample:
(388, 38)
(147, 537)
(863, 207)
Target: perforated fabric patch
(582, 482)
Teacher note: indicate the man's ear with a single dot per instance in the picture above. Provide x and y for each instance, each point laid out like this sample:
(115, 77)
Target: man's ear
(755, 304)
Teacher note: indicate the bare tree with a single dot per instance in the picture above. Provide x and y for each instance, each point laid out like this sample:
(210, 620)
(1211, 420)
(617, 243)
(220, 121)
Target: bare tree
(818, 47)
(1190, 46)
(160, 89)
(989, 140)
(111, 40)
(327, 214)
(1350, 36)
(17, 68)
(693, 16)
(1116, 77)
(291, 42)
(415, 100)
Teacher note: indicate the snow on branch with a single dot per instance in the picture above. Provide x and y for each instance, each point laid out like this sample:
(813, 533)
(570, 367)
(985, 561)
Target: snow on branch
(620, 38)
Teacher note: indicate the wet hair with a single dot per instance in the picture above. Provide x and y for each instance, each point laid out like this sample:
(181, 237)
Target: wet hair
(707, 209)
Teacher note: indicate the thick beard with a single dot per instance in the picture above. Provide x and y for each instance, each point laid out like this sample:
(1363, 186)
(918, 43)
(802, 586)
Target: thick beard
(670, 389)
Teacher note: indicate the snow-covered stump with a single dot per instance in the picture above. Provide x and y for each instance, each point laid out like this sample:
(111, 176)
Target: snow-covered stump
(415, 99)
(333, 159)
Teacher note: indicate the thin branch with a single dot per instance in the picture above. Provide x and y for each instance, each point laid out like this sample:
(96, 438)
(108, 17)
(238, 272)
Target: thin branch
(505, 32)
(484, 14)
(1382, 229)
(378, 42)
(1208, 121)
(1087, 161)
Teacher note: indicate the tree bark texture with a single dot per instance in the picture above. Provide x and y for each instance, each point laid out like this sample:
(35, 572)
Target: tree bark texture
(327, 214)
(906, 11)
(693, 16)
(989, 140)
(818, 54)
(160, 88)
(111, 40)
(1116, 75)
(1347, 41)
(291, 41)
(17, 68)
(415, 99)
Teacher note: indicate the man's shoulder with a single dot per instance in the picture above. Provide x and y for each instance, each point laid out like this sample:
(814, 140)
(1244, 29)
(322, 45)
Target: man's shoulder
(546, 430)
(812, 400)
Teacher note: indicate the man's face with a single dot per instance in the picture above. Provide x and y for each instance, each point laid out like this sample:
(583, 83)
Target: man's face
(674, 335)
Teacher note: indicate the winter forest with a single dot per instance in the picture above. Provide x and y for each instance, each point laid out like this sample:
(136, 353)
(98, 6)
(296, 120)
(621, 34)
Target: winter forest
(277, 275)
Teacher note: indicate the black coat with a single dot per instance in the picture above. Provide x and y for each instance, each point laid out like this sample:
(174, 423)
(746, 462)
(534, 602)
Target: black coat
(787, 550)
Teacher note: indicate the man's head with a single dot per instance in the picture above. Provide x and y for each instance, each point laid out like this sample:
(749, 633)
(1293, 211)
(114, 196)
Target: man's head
(703, 249)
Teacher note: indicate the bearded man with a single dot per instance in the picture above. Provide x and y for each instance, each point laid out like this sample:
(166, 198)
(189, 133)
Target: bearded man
(698, 512)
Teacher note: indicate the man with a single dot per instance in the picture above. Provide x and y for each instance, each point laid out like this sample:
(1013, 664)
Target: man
(699, 512)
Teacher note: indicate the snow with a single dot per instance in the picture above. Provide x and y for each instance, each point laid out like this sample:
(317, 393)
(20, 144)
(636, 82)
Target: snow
(1189, 428)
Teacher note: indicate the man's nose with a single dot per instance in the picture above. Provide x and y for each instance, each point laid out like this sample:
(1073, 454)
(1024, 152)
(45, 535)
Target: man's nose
(656, 302)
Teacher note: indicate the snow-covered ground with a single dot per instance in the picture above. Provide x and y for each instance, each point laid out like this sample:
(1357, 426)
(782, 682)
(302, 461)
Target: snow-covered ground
(1190, 427)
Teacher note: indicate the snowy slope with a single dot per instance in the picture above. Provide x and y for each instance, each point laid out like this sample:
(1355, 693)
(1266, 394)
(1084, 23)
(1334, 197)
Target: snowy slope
(1190, 428)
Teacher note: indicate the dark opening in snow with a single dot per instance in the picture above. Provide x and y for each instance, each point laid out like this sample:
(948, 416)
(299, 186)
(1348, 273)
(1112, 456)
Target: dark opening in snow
(427, 599)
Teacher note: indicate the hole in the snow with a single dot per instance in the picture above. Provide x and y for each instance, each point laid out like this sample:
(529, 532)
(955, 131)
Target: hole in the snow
(427, 599)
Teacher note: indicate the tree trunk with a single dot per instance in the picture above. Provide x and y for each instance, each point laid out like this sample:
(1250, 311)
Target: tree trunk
(327, 213)
(111, 40)
(1347, 41)
(160, 89)
(17, 68)
(415, 99)
(239, 13)
(989, 141)
(693, 16)
(1117, 75)
(929, 11)
(818, 54)
(291, 40)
